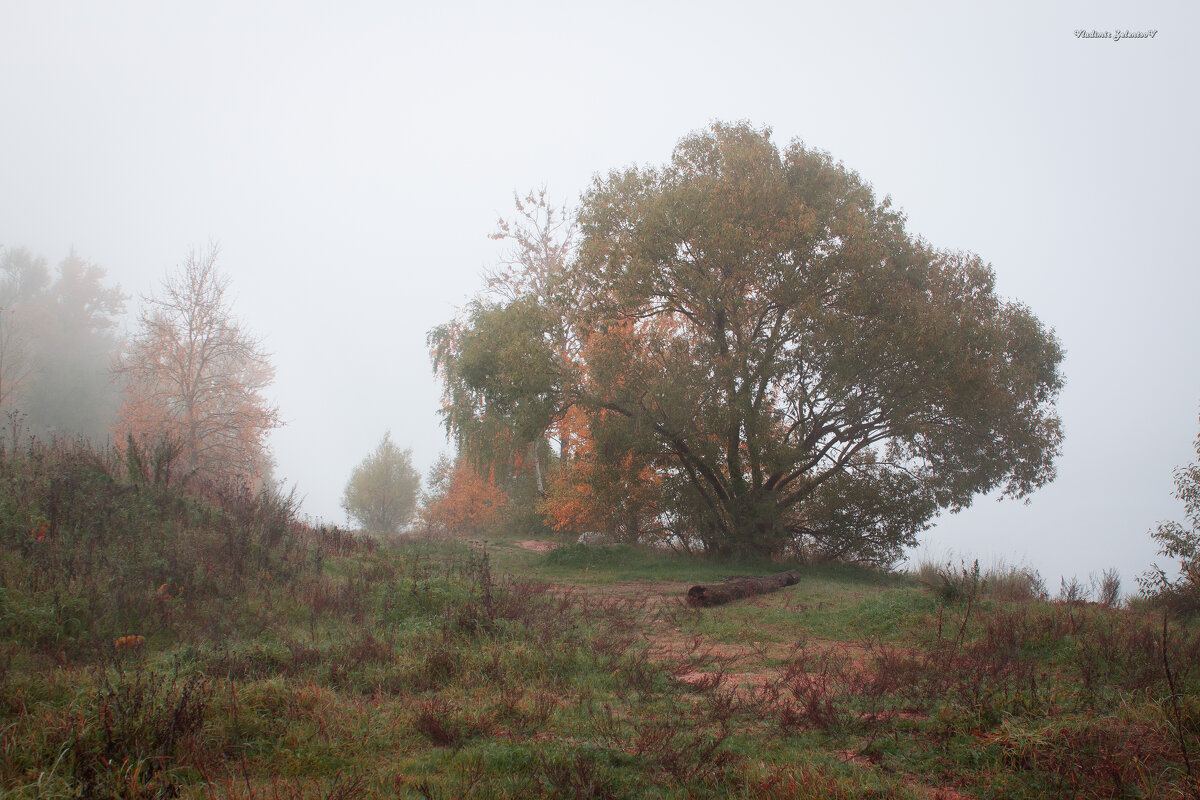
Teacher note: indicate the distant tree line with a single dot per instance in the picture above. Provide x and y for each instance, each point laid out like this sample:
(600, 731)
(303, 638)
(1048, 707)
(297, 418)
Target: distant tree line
(59, 341)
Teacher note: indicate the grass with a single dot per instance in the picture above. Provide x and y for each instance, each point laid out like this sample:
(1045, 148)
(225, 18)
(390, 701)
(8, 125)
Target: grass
(285, 661)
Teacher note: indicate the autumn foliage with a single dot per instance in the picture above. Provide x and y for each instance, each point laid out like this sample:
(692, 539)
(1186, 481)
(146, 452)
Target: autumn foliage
(602, 483)
(757, 343)
(462, 499)
(195, 377)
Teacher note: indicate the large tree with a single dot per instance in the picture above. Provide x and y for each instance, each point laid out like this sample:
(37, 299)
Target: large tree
(196, 376)
(804, 373)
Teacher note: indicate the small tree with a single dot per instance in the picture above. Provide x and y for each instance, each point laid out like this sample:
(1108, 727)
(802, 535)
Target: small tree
(195, 376)
(462, 500)
(382, 491)
(1176, 541)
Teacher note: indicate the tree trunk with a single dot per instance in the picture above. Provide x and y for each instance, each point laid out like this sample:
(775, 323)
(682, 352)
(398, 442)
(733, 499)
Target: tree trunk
(754, 526)
(537, 467)
(734, 588)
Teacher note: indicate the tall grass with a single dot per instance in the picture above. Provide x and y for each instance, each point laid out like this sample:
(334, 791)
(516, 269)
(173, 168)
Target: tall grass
(161, 642)
(1000, 580)
(96, 547)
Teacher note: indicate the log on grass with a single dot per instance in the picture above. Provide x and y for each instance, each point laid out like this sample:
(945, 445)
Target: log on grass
(734, 588)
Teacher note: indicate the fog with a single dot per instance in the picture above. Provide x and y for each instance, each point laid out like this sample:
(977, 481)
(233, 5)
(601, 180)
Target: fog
(351, 160)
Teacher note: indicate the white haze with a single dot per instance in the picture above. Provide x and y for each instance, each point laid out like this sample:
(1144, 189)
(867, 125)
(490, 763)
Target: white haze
(351, 159)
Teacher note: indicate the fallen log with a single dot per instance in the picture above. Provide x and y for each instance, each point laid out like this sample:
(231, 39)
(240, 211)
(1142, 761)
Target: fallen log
(734, 588)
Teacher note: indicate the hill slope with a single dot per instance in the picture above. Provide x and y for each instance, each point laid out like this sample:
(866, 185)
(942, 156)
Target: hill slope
(158, 644)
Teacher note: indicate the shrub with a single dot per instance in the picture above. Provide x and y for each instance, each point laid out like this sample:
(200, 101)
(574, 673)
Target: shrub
(1071, 592)
(1000, 581)
(1175, 541)
(1107, 588)
(952, 584)
(1015, 583)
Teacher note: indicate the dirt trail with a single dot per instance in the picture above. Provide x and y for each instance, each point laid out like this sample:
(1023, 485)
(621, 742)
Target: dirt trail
(538, 546)
(704, 662)
(666, 604)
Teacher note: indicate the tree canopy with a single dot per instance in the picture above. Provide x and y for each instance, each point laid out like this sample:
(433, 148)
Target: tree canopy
(462, 500)
(58, 341)
(800, 371)
(381, 494)
(195, 375)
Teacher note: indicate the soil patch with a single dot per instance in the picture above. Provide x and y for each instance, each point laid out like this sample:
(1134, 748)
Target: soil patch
(539, 546)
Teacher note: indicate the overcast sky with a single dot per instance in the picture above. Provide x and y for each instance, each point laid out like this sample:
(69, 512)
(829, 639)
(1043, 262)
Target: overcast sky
(351, 159)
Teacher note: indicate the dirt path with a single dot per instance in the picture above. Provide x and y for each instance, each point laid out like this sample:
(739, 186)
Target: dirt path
(705, 663)
(539, 546)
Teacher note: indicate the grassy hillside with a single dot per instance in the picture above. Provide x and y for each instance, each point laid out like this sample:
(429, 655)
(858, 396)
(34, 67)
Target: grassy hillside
(159, 644)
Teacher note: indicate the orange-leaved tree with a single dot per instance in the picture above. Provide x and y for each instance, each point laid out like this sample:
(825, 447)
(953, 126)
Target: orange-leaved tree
(462, 499)
(604, 481)
(530, 428)
(195, 376)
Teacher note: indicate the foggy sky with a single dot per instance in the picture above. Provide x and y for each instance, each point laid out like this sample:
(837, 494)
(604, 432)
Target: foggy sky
(352, 158)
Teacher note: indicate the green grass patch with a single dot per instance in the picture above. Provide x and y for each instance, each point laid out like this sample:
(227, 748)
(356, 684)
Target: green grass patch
(620, 562)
